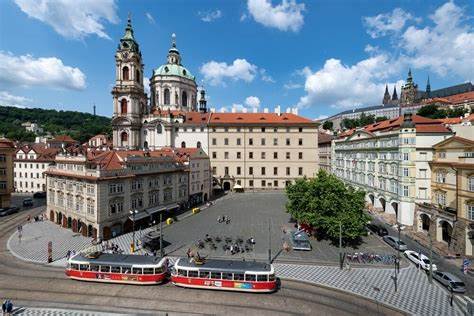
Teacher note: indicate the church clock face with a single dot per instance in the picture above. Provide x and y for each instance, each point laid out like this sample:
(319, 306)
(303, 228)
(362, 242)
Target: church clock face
(125, 55)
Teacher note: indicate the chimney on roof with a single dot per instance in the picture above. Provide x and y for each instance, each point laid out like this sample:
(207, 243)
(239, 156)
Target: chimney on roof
(288, 110)
(265, 110)
(278, 110)
(244, 110)
(254, 110)
(234, 110)
(213, 110)
(295, 111)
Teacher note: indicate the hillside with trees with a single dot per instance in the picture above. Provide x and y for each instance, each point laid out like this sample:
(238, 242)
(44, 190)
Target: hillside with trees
(363, 120)
(78, 125)
(435, 112)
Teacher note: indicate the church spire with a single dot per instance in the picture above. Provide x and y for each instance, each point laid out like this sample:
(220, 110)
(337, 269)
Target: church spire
(173, 53)
(386, 96)
(127, 42)
(428, 87)
(394, 94)
(409, 78)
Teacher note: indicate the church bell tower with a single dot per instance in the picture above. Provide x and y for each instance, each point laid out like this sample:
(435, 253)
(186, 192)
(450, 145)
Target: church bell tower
(129, 97)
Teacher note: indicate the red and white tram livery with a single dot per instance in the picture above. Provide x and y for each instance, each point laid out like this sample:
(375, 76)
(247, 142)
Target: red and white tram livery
(246, 276)
(116, 268)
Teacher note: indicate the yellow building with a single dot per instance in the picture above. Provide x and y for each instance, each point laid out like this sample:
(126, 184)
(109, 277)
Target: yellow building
(449, 218)
(7, 152)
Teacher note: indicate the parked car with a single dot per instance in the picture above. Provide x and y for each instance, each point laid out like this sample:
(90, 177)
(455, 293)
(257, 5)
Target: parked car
(420, 259)
(28, 202)
(39, 195)
(8, 211)
(451, 281)
(395, 242)
(379, 230)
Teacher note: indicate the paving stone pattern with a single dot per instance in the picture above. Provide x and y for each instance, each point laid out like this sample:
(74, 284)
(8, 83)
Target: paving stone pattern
(33, 311)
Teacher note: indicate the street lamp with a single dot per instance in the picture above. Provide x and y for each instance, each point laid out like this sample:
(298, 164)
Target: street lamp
(133, 213)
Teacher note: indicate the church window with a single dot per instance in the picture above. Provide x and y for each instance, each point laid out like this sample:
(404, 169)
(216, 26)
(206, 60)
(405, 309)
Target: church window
(125, 73)
(167, 96)
(145, 145)
(123, 106)
(137, 76)
(183, 144)
(159, 129)
(198, 145)
(184, 99)
(124, 137)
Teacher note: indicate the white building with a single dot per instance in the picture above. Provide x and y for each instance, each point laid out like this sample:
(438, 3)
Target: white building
(32, 127)
(30, 163)
(390, 161)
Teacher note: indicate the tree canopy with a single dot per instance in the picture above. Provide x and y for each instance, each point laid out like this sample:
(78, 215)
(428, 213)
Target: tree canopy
(80, 126)
(435, 112)
(328, 125)
(324, 202)
(362, 120)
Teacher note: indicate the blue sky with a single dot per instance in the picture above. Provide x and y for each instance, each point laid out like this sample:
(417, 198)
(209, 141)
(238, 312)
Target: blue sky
(319, 56)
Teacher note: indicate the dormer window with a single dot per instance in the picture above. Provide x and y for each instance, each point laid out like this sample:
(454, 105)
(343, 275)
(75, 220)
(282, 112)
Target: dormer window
(167, 69)
(184, 72)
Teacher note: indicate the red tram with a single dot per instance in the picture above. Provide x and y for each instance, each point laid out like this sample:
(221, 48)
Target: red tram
(246, 276)
(116, 268)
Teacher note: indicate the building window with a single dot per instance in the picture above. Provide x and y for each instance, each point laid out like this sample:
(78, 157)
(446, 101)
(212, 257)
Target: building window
(123, 106)
(275, 171)
(262, 142)
(423, 173)
(288, 142)
(166, 96)
(275, 155)
(300, 141)
(442, 154)
(263, 129)
(275, 142)
(288, 155)
(263, 183)
(287, 171)
(226, 129)
(300, 171)
(250, 155)
(470, 184)
(214, 141)
(250, 170)
(275, 183)
(184, 99)
(239, 155)
(405, 156)
(300, 155)
(470, 212)
(262, 155)
(183, 144)
(198, 145)
(440, 177)
(226, 155)
(125, 73)
(251, 141)
(263, 171)
(251, 183)
(423, 194)
(441, 198)
(275, 129)
(226, 171)
(238, 170)
(238, 141)
(300, 129)
(226, 141)
(405, 172)
(214, 170)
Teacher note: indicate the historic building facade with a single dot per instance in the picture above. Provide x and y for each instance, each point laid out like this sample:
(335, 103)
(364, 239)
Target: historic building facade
(390, 161)
(7, 154)
(93, 192)
(449, 216)
(325, 151)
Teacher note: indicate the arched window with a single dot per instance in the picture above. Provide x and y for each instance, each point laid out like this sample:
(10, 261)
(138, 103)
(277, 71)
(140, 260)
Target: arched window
(198, 145)
(145, 145)
(125, 73)
(166, 96)
(124, 137)
(159, 129)
(137, 76)
(123, 106)
(184, 99)
(183, 144)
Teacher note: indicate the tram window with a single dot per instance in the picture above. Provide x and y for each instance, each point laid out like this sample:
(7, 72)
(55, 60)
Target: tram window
(94, 267)
(158, 270)
(204, 274)
(192, 274)
(126, 270)
(215, 275)
(104, 268)
(84, 267)
(115, 269)
(74, 266)
(271, 277)
(137, 270)
(147, 270)
(262, 277)
(250, 277)
(226, 276)
(238, 276)
(182, 272)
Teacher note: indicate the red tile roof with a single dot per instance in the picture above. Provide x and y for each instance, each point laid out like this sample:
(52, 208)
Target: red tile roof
(6, 143)
(62, 138)
(193, 118)
(461, 97)
(324, 138)
(258, 118)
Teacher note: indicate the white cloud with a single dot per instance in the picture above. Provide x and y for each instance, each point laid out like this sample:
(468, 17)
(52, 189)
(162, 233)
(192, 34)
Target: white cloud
(72, 19)
(243, 17)
(343, 86)
(209, 16)
(150, 18)
(286, 16)
(444, 48)
(7, 99)
(291, 85)
(265, 77)
(384, 24)
(252, 102)
(217, 72)
(321, 117)
(27, 70)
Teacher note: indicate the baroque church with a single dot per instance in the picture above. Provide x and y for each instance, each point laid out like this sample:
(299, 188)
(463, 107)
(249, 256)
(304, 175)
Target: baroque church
(139, 124)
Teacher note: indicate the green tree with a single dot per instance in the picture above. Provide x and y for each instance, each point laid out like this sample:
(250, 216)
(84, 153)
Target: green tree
(326, 201)
(328, 125)
(381, 118)
(349, 123)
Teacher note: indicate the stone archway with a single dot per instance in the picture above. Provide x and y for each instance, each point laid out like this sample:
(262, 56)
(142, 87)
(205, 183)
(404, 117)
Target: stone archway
(383, 203)
(425, 222)
(51, 215)
(90, 231)
(372, 199)
(74, 225)
(128, 226)
(205, 197)
(106, 233)
(226, 185)
(446, 231)
(69, 222)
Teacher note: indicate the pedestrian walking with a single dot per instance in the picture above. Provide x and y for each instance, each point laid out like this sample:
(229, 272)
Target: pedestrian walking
(9, 307)
(4, 307)
(68, 254)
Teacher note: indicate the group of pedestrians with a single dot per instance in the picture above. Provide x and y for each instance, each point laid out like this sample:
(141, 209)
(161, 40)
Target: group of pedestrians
(111, 247)
(7, 307)
(223, 219)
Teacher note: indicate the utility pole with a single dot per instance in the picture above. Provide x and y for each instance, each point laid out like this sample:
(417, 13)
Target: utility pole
(398, 250)
(431, 259)
(269, 243)
(162, 252)
(340, 245)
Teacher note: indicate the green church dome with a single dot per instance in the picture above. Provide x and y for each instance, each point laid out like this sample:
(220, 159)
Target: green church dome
(173, 70)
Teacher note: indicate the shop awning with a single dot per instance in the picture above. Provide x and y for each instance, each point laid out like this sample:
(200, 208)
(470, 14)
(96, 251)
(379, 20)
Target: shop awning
(154, 210)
